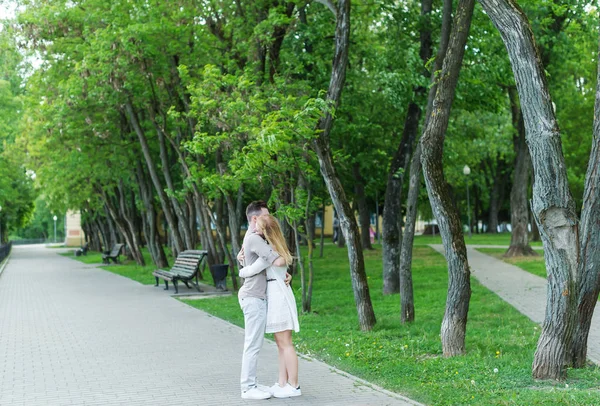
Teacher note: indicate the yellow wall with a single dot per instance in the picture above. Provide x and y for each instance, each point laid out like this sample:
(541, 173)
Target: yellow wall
(75, 236)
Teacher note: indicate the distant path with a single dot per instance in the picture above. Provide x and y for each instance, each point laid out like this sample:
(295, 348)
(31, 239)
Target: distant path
(71, 334)
(524, 291)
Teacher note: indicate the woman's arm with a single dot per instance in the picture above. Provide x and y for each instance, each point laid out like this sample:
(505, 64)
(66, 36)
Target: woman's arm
(257, 267)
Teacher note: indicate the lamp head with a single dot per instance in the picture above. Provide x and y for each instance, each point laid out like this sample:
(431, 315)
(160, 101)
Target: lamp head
(467, 170)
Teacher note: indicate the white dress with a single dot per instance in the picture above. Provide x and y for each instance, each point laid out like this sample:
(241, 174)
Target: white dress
(282, 313)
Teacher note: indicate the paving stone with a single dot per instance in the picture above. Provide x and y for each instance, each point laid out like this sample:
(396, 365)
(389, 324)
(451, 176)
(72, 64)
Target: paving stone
(72, 334)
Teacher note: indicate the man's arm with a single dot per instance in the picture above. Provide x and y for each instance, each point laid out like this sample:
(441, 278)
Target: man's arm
(261, 248)
(258, 266)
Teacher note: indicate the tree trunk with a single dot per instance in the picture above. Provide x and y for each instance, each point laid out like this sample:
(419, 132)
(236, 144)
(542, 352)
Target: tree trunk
(116, 216)
(407, 305)
(519, 211)
(128, 214)
(392, 208)
(151, 230)
(407, 301)
(552, 205)
(173, 226)
(432, 144)
(362, 297)
(363, 209)
(589, 254)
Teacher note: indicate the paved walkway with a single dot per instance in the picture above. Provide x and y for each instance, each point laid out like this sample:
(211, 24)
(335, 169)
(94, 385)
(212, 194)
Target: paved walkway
(524, 291)
(71, 334)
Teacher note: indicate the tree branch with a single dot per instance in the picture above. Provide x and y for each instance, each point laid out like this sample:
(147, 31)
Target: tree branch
(329, 4)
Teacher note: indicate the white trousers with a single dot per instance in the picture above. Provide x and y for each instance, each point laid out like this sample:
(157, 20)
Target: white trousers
(255, 319)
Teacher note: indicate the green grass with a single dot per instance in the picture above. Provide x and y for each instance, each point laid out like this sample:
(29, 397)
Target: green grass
(128, 269)
(534, 265)
(407, 358)
(480, 239)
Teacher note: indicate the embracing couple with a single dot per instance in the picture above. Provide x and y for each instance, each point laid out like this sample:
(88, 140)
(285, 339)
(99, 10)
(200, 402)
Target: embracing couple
(268, 304)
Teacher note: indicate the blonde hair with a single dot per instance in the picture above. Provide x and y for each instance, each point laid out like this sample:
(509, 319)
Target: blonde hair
(269, 227)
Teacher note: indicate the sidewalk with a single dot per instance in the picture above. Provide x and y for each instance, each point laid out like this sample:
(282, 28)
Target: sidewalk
(71, 334)
(524, 291)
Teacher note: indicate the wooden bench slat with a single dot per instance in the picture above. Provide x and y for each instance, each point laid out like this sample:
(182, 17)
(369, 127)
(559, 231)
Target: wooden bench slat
(185, 268)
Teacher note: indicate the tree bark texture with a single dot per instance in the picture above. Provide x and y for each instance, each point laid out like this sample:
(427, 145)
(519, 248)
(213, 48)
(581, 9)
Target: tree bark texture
(519, 210)
(362, 297)
(589, 254)
(407, 305)
(133, 119)
(151, 229)
(407, 301)
(552, 204)
(392, 209)
(432, 143)
(364, 215)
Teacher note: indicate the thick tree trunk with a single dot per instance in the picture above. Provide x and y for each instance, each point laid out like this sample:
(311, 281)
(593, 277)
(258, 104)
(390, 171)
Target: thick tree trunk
(364, 215)
(459, 287)
(173, 226)
(552, 204)
(589, 268)
(519, 210)
(362, 297)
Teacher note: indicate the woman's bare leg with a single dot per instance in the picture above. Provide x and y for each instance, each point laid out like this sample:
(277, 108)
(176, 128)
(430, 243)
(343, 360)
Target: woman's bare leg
(283, 376)
(284, 343)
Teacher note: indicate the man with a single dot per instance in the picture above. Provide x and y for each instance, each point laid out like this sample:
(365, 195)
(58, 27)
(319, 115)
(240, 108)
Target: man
(253, 301)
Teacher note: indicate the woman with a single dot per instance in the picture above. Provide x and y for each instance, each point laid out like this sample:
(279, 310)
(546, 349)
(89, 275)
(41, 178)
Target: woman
(282, 314)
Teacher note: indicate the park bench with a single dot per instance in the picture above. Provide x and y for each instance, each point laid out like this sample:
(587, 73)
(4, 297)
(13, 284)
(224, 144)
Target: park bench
(186, 269)
(112, 254)
(83, 250)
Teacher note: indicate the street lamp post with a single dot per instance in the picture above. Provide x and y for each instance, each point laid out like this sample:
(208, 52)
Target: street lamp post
(55, 218)
(467, 172)
(0, 228)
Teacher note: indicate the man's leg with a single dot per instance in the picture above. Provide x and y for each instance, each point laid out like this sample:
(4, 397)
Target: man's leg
(255, 318)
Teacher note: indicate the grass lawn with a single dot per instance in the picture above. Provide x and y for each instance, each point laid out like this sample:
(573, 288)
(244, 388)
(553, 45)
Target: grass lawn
(407, 359)
(534, 265)
(483, 239)
(129, 269)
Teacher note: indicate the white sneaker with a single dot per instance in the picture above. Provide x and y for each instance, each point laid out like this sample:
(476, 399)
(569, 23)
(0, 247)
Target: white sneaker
(273, 388)
(288, 391)
(264, 388)
(256, 394)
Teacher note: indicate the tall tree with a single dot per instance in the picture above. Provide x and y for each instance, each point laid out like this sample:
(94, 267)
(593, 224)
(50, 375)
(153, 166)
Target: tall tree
(552, 204)
(348, 225)
(432, 143)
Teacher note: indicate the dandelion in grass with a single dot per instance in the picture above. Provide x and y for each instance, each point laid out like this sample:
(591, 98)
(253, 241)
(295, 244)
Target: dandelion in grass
(472, 382)
(347, 354)
(495, 370)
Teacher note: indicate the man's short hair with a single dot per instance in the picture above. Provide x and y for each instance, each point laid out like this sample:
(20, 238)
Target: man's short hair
(255, 208)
